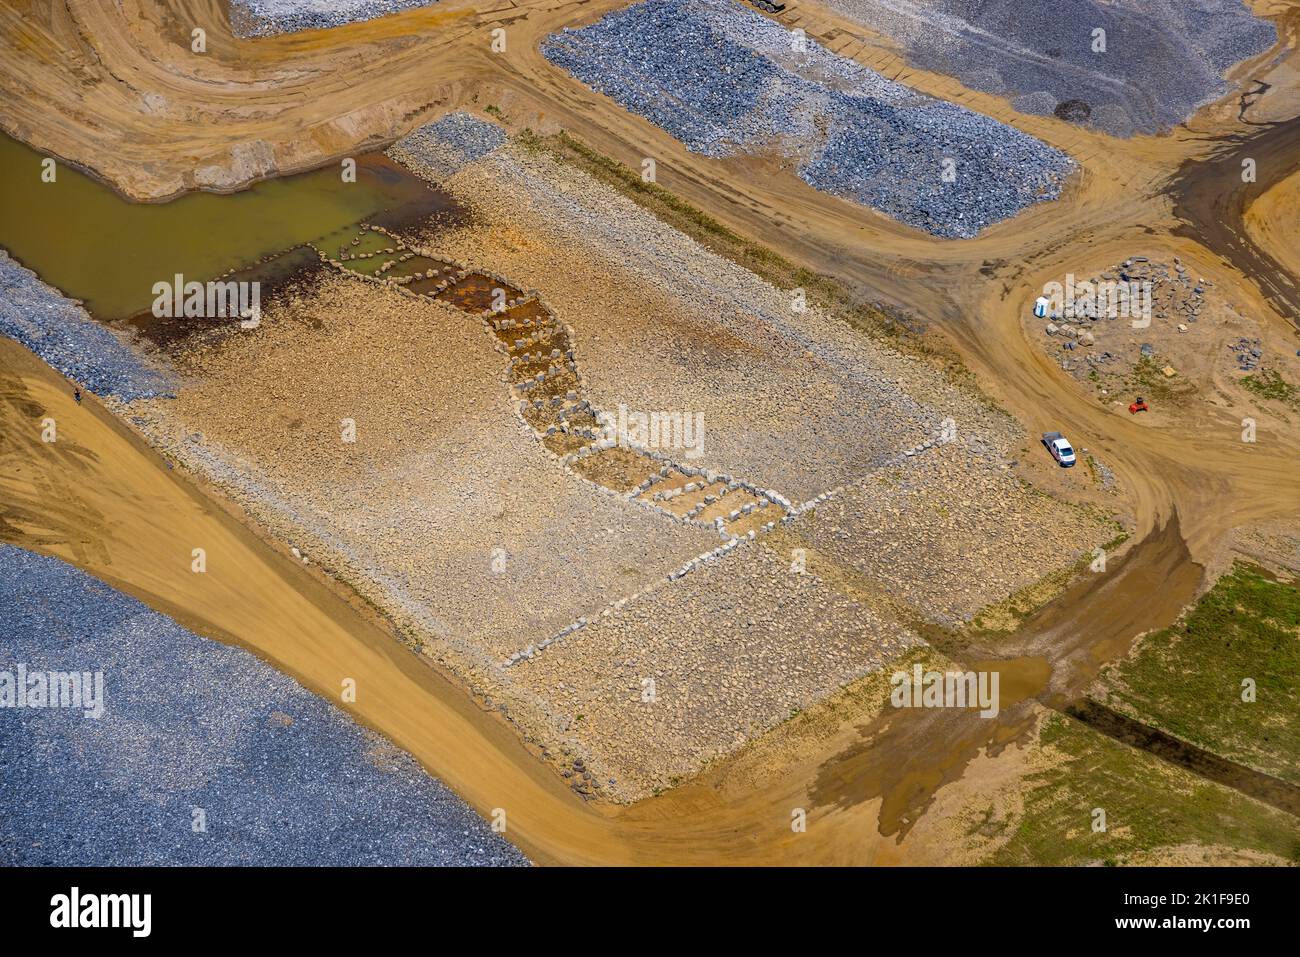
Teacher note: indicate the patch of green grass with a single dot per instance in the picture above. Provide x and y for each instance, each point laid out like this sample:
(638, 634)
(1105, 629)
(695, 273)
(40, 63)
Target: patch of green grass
(1149, 380)
(1149, 805)
(1269, 384)
(1187, 679)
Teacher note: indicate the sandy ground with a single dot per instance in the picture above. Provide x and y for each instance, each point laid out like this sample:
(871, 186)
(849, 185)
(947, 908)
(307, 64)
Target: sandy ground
(1208, 387)
(110, 520)
(1267, 219)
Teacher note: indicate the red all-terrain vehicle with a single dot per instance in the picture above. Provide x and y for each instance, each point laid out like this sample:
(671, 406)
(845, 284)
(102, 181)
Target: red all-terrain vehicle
(1138, 405)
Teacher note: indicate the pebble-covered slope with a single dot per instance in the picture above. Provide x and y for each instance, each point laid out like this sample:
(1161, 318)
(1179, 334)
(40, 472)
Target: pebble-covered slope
(724, 79)
(61, 332)
(283, 778)
(741, 639)
(1162, 58)
(446, 145)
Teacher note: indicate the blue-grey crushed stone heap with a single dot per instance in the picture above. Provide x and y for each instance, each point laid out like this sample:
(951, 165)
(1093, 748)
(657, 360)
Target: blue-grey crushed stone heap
(442, 147)
(1162, 58)
(724, 79)
(283, 777)
(261, 18)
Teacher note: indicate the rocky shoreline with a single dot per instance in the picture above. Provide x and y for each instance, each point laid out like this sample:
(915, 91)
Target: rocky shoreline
(62, 333)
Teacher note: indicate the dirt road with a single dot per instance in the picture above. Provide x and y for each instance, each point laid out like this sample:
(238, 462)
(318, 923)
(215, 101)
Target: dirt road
(1211, 197)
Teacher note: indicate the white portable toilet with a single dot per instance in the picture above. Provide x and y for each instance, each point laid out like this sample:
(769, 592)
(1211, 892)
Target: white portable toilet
(1040, 306)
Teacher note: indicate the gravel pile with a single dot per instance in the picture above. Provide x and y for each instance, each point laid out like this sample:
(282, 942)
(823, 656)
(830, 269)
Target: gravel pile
(263, 18)
(62, 333)
(1101, 347)
(1247, 353)
(441, 148)
(283, 778)
(724, 79)
(1163, 58)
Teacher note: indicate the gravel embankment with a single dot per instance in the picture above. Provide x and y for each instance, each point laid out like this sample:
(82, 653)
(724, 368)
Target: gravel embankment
(1162, 58)
(661, 323)
(743, 89)
(281, 776)
(262, 18)
(443, 147)
(447, 513)
(948, 536)
(643, 698)
(62, 333)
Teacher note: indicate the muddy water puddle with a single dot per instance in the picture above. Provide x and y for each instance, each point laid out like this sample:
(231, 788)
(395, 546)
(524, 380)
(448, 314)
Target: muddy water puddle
(275, 275)
(905, 756)
(475, 292)
(908, 754)
(80, 236)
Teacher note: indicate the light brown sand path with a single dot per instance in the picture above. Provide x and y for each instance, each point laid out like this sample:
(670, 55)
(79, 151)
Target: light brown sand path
(1273, 221)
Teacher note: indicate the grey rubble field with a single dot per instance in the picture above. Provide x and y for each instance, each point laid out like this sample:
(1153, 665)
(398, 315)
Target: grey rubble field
(61, 332)
(1163, 58)
(724, 80)
(282, 777)
(260, 18)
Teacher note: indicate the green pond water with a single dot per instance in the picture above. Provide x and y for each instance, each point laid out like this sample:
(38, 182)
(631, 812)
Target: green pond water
(83, 238)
